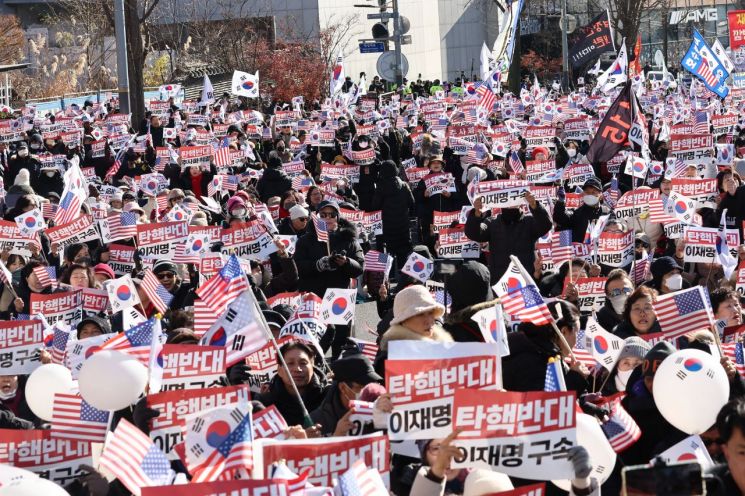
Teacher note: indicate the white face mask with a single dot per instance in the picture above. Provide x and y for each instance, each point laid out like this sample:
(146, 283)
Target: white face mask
(49, 173)
(590, 200)
(8, 396)
(363, 144)
(241, 212)
(622, 378)
(674, 282)
(23, 152)
(618, 302)
(571, 152)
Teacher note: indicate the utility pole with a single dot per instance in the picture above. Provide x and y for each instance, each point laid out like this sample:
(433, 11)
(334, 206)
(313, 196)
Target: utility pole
(397, 44)
(121, 56)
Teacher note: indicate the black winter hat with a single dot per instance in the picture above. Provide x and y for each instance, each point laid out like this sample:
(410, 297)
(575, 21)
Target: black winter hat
(655, 356)
(662, 266)
(388, 169)
(102, 324)
(274, 162)
(593, 182)
(469, 285)
(355, 368)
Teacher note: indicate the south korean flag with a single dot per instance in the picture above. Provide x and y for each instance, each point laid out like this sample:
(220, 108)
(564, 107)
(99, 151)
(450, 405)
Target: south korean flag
(418, 267)
(338, 306)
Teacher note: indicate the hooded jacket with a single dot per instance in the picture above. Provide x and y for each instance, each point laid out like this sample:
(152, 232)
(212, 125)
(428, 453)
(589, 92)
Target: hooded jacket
(394, 198)
(273, 182)
(309, 250)
(509, 238)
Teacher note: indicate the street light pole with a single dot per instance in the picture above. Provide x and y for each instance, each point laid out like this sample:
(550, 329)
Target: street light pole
(397, 44)
(121, 56)
(564, 46)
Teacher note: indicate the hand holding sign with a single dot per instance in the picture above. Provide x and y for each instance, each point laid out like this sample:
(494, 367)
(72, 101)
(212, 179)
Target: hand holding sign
(445, 454)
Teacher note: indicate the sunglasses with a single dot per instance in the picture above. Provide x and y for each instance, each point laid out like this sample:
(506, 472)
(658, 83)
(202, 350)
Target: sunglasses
(302, 219)
(327, 215)
(620, 291)
(166, 275)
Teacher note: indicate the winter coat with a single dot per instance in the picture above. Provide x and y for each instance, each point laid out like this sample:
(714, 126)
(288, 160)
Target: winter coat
(607, 317)
(285, 227)
(204, 180)
(393, 197)
(625, 330)
(365, 188)
(287, 404)
(509, 238)
(426, 206)
(461, 326)
(45, 185)
(330, 411)
(576, 221)
(525, 367)
(16, 163)
(309, 250)
(274, 182)
(735, 205)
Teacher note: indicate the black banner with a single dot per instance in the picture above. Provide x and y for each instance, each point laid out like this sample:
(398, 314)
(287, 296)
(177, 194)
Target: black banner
(613, 133)
(592, 40)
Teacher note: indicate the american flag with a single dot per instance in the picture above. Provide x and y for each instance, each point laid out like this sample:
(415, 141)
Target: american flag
(224, 156)
(74, 418)
(683, 311)
(581, 352)
(56, 344)
(234, 453)
(561, 247)
(224, 286)
(48, 210)
(134, 342)
(475, 155)
(47, 276)
(156, 292)
(69, 208)
(113, 170)
(526, 303)
(734, 352)
(215, 185)
(657, 212)
(230, 182)
(679, 167)
(515, 163)
(122, 225)
(376, 261)
(620, 429)
(612, 194)
(701, 122)
(361, 481)
(641, 269)
(162, 202)
(554, 380)
(367, 348)
(321, 229)
(487, 97)
(705, 72)
(132, 457)
(204, 317)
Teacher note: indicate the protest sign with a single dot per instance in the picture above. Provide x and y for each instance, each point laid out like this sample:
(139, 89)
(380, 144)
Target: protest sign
(20, 341)
(192, 367)
(160, 239)
(453, 243)
(64, 307)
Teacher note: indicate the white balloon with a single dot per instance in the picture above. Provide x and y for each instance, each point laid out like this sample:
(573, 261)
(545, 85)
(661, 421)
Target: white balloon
(602, 456)
(690, 387)
(42, 385)
(111, 380)
(32, 487)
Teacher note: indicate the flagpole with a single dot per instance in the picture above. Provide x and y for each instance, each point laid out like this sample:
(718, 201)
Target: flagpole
(307, 422)
(562, 340)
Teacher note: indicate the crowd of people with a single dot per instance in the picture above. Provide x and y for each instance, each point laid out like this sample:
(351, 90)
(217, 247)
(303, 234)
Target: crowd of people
(409, 176)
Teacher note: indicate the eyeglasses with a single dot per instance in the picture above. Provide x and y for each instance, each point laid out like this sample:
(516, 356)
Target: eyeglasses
(620, 291)
(327, 215)
(166, 275)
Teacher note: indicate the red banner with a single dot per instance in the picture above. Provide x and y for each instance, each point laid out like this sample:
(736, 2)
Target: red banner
(736, 20)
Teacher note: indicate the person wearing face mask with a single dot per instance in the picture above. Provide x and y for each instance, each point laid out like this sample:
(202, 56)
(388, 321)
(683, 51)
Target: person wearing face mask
(14, 410)
(638, 314)
(49, 181)
(631, 356)
(352, 372)
(618, 287)
(509, 233)
(22, 160)
(667, 276)
(237, 208)
(280, 147)
(590, 210)
(274, 181)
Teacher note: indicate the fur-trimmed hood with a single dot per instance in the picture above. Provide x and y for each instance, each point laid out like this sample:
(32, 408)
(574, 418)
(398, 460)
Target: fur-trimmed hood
(465, 314)
(398, 332)
(345, 230)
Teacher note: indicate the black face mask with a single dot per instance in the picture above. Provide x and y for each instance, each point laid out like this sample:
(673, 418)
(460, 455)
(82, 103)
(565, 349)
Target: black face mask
(510, 214)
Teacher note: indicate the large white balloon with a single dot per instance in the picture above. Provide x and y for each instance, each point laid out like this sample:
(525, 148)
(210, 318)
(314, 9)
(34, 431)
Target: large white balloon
(32, 487)
(111, 380)
(602, 456)
(42, 385)
(690, 387)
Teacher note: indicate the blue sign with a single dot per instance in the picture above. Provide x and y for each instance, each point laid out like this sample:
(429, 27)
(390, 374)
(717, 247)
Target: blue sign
(704, 64)
(372, 47)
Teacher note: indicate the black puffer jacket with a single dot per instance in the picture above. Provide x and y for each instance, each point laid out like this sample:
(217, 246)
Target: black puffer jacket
(578, 220)
(394, 198)
(274, 182)
(509, 238)
(330, 411)
(309, 250)
(287, 403)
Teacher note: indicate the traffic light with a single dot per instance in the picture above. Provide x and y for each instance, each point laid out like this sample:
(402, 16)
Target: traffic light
(380, 31)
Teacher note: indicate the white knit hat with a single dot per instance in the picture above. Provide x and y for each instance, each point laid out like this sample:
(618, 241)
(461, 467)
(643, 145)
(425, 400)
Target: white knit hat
(481, 482)
(298, 211)
(412, 301)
